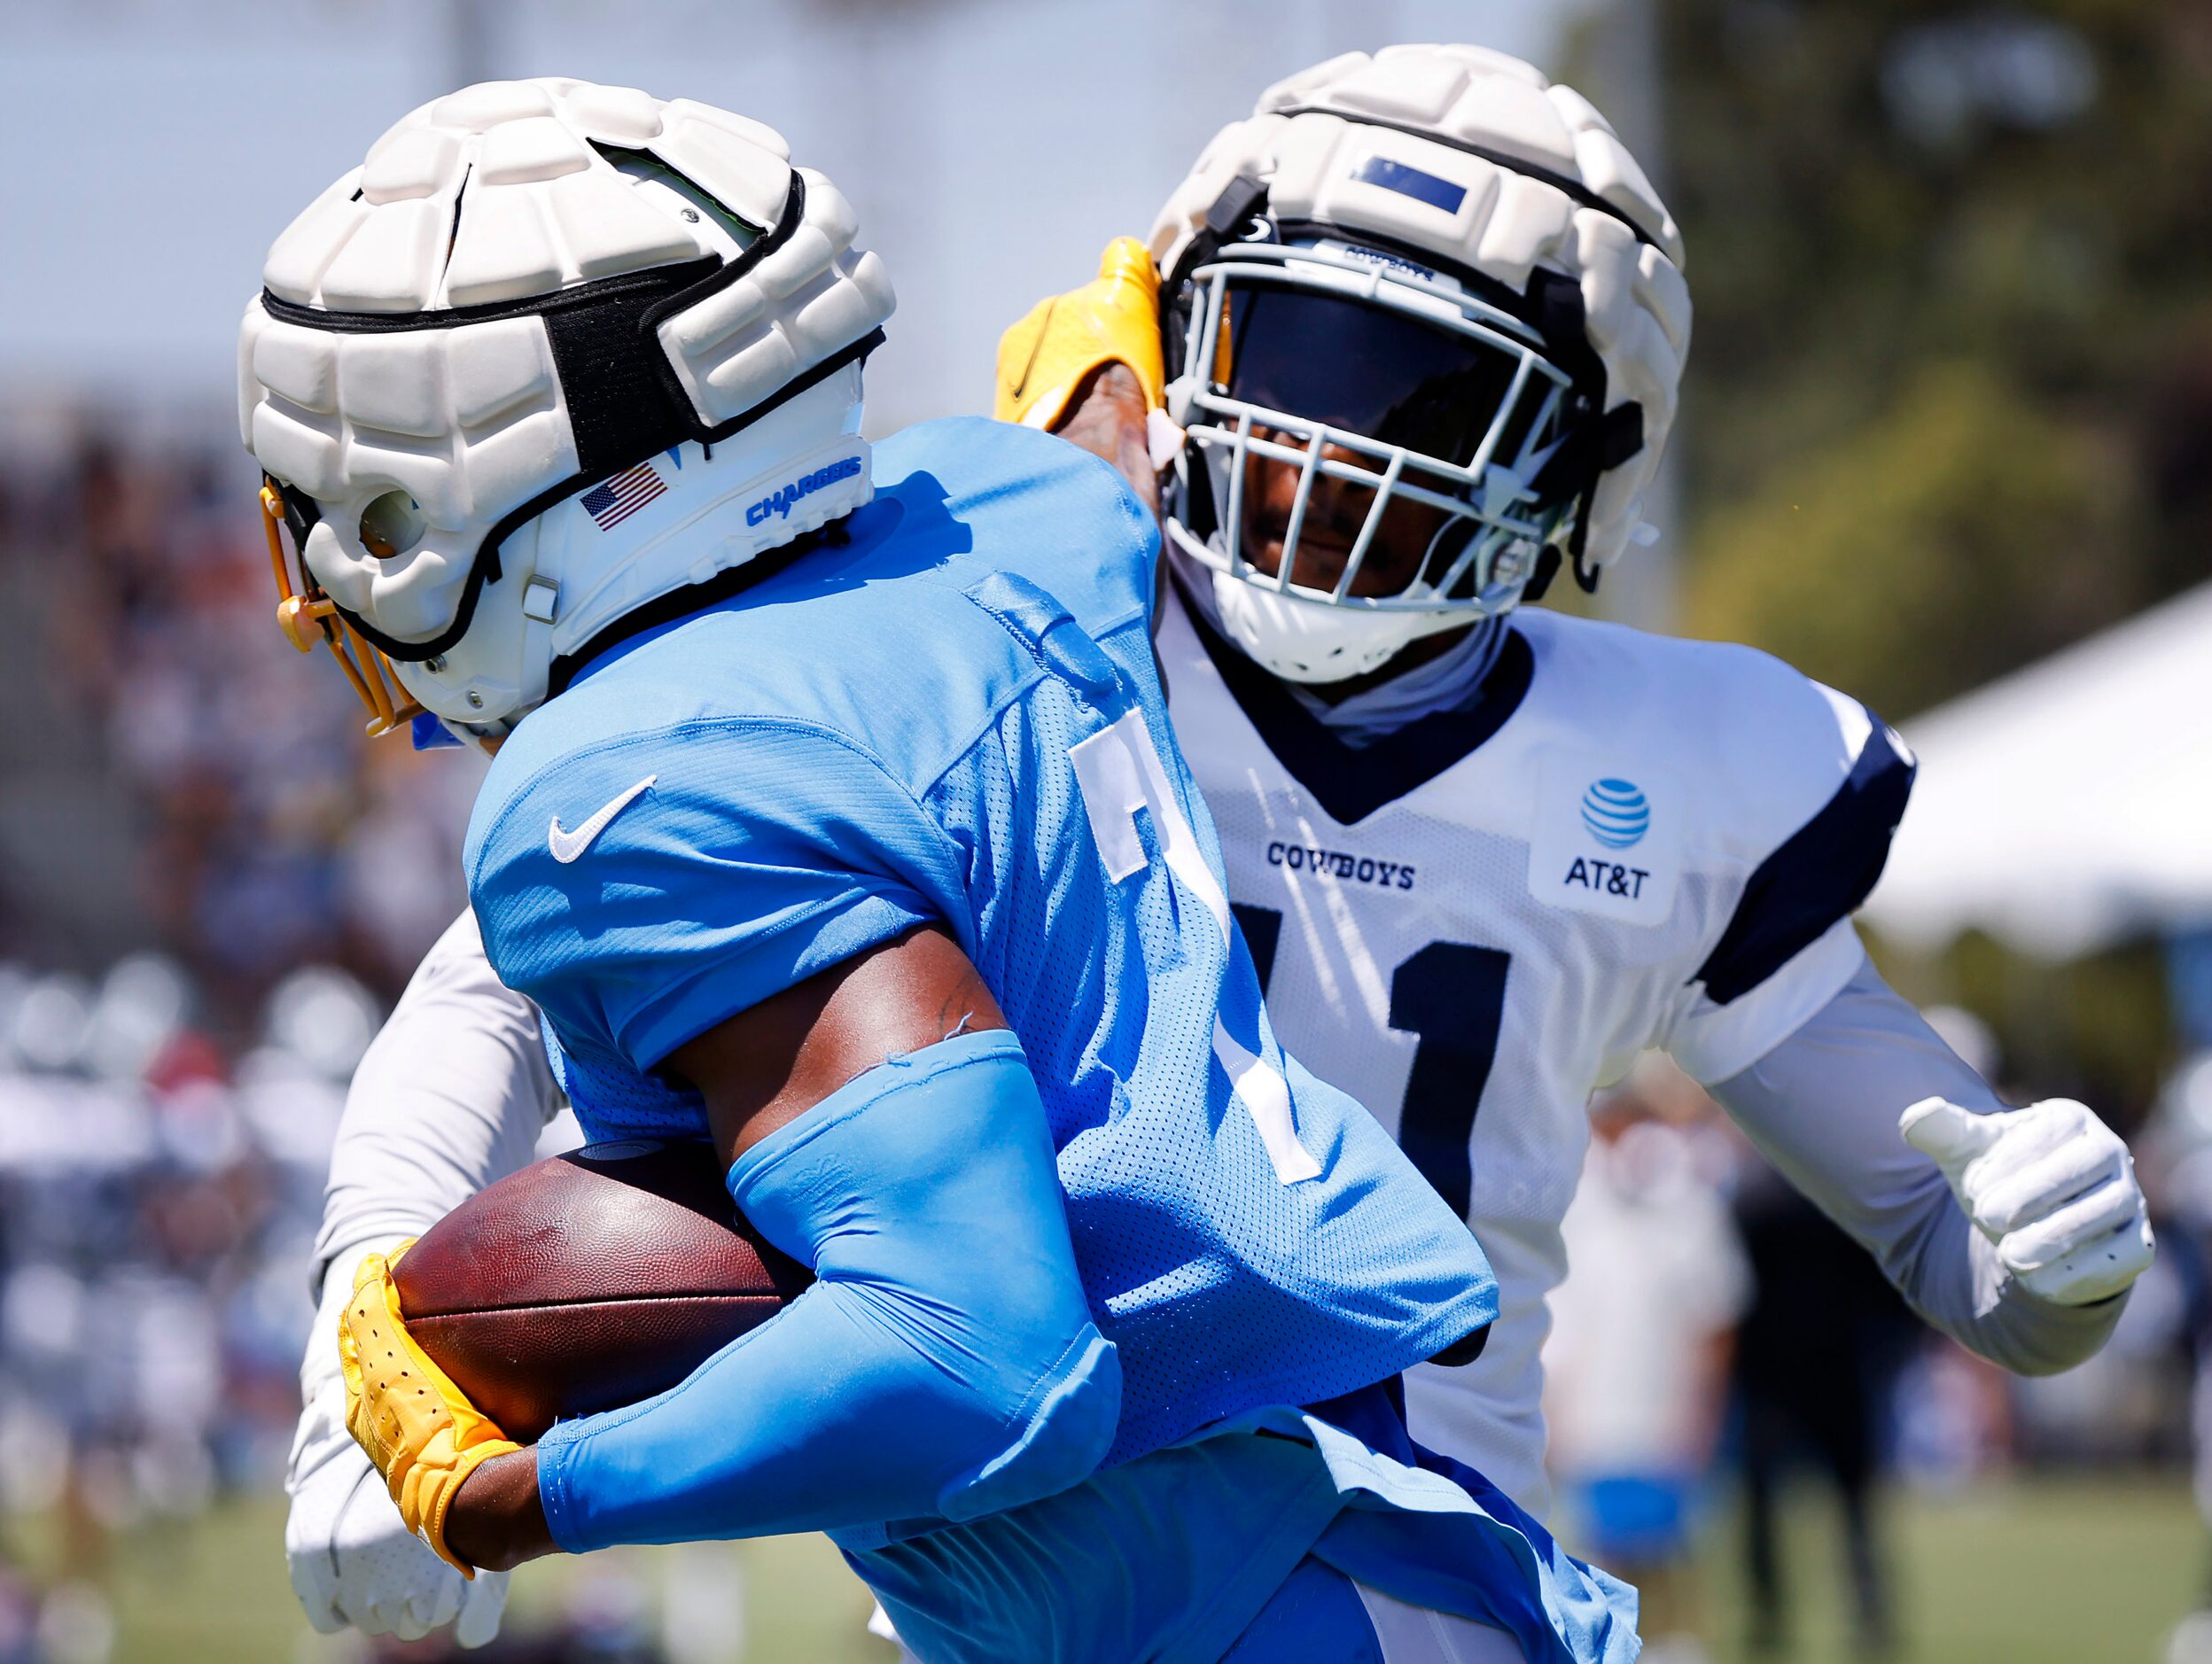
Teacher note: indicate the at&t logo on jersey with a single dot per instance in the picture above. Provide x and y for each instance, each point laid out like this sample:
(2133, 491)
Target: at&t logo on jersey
(1610, 876)
(1606, 839)
(779, 501)
(1617, 813)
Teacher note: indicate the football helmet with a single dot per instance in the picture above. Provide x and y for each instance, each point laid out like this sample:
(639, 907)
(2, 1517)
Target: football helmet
(1425, 321)
(495, 370)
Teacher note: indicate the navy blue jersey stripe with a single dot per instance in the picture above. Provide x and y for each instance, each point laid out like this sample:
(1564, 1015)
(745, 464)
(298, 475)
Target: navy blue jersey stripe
(1818, 874)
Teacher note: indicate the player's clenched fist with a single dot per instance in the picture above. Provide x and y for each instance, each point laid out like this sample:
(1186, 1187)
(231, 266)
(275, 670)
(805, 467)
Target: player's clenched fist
(420, 1429)
(2051, 1185)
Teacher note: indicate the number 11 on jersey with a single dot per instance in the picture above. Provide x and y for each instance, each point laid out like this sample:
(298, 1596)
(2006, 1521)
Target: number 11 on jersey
(1451, 996)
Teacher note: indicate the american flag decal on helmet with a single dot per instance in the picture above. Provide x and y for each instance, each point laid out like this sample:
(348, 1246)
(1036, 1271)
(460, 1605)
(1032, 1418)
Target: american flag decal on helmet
(614, 501)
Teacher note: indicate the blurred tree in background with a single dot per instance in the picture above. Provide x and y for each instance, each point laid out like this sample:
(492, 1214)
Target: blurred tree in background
(1951, 393)
(1950, 403)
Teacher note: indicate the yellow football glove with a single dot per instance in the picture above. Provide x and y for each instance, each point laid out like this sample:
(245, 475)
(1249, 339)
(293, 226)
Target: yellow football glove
(420, 1430)
(1115, 317)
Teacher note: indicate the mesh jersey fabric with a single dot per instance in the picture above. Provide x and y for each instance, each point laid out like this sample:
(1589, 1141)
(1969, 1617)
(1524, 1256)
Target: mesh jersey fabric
(1169, 1557)
(886, 734)
(1428, 958)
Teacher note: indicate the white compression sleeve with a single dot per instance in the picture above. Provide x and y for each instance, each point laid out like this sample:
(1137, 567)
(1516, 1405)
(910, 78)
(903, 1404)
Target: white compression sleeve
(1823, 1106)
(451, 1094)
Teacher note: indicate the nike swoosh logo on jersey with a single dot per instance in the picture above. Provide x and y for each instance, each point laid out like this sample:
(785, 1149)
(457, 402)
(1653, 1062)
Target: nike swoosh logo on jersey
(566, 846)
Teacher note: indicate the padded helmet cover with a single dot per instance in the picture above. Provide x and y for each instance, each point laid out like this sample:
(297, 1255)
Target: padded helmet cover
(1530, 176)
(514, 297)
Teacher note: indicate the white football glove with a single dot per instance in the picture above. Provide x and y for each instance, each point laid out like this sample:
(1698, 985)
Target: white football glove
(352, 1559)
(2051, 1185)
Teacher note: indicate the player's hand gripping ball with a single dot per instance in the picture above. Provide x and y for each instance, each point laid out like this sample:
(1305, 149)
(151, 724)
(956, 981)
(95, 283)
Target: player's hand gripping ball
(420, 1430)
(2051, 1185)
(1113, 318)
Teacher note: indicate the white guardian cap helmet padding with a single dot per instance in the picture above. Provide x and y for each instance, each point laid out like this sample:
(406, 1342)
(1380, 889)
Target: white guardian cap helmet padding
(1436, 263)
(531, 297)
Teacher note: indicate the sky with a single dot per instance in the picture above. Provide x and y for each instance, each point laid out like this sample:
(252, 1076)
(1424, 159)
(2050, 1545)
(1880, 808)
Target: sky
(991, 146)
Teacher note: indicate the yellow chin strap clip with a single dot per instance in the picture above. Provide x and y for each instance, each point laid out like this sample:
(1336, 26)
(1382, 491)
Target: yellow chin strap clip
(308, 617)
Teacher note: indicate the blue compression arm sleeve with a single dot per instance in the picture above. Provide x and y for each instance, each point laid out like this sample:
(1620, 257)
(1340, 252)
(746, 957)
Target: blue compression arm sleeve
(943, 1365)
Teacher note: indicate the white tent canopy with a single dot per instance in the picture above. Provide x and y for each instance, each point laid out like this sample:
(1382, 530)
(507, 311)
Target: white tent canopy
(2069, 805)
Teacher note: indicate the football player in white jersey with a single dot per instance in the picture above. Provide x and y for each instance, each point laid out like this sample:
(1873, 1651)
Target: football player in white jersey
(1425, 321)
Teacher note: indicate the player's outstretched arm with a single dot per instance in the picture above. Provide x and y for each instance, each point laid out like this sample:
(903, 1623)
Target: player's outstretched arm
(884, 1128)
(2016, 1231)
(452, 1094)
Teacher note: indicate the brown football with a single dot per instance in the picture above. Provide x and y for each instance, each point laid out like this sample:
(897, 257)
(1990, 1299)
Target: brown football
(590, 1281)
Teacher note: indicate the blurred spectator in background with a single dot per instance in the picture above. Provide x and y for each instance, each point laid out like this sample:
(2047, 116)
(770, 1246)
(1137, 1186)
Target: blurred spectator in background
(160, 707)
(151, 1191)
(2177, 1165)
(1816, 1359)
(1636, 1366)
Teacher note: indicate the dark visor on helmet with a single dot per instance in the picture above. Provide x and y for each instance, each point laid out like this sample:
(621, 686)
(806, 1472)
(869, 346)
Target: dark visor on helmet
(1372, 370)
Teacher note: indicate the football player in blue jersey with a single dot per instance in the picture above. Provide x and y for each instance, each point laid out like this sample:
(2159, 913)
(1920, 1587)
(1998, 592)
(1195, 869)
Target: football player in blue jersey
(834, 818)
(1481, 860)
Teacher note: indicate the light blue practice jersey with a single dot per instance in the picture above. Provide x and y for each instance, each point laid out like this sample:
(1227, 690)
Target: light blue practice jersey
(956, 718)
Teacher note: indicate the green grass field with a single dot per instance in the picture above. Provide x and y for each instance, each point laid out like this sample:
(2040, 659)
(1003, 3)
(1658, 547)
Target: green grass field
(2048, 1572)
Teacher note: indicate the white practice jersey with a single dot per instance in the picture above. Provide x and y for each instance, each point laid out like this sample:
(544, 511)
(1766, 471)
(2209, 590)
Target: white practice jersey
(1472, 922)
